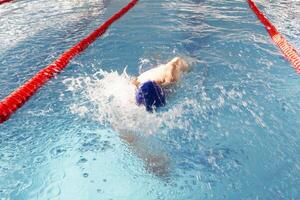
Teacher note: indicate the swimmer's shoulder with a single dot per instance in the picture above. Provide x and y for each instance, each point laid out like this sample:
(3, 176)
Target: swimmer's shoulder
(154, 74)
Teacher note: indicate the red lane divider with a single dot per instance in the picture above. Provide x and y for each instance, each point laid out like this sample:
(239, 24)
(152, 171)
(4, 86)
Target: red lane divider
(4, 1)
(17, 98)
(288, 50)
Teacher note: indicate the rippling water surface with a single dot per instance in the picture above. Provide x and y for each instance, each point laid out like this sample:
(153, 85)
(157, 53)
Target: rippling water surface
(230, 129)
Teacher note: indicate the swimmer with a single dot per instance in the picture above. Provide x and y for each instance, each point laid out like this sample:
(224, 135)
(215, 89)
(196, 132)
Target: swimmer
(149, 92)
(149, 84)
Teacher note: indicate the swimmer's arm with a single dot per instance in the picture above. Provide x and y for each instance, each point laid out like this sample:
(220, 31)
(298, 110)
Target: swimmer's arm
(171, 76)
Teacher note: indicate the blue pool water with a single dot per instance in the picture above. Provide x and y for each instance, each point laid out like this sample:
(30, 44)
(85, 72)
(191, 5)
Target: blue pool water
(230, 129)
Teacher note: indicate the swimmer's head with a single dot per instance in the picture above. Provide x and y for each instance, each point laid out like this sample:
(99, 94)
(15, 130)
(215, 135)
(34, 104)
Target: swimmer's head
(180, 63)
(150, 95)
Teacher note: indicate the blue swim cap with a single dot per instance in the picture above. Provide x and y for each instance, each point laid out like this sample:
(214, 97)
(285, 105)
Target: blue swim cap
(151, 95)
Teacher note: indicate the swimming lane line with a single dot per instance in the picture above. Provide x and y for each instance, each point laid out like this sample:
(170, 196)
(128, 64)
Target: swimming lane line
(21, 95)
(289, 52)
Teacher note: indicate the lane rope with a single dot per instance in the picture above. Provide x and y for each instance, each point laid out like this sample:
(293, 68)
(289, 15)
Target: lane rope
(287, 49)
(21, 95)
(4, 1)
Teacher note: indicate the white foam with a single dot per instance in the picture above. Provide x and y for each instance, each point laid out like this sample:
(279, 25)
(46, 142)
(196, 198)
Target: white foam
(109, 97)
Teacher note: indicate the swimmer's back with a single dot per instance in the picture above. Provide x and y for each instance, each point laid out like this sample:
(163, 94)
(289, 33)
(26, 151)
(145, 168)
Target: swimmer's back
(164, 74)
(156, 74)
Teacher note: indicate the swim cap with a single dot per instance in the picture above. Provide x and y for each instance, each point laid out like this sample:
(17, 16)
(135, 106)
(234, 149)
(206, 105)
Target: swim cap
(151, 95)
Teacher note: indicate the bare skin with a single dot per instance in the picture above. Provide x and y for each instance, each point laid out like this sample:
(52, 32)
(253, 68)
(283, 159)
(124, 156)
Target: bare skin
(163, 75)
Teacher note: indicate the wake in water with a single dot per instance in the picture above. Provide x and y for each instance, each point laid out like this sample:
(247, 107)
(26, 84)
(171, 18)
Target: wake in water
(109, 97)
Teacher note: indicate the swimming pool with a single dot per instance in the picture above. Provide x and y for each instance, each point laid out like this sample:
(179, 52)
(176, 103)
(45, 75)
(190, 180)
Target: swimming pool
(229, 130)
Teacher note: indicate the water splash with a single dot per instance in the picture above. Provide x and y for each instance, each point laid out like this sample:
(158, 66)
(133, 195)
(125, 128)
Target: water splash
(108, 97)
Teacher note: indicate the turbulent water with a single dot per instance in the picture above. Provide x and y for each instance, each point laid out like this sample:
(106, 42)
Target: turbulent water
(230, 129)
